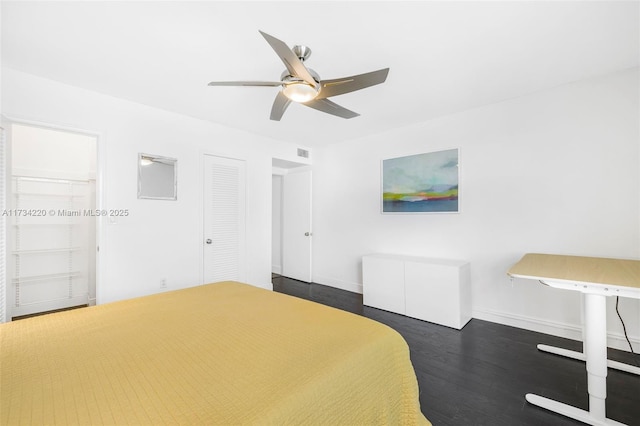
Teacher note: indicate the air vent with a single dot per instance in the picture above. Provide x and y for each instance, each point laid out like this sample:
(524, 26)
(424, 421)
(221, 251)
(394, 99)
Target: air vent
(303, 153)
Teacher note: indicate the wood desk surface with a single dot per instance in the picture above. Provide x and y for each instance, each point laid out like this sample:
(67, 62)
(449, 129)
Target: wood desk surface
(620, 272)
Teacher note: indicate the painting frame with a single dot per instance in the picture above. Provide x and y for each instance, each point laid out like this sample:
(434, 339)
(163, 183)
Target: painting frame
(424, 183)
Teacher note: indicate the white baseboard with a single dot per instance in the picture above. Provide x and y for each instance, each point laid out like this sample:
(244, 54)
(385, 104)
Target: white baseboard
(343, 285)
(569, 331)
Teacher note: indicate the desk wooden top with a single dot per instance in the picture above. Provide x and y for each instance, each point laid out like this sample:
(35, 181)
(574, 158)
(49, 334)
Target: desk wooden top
(619, 272)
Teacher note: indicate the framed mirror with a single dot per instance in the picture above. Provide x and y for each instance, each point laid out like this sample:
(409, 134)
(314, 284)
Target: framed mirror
(157, 177)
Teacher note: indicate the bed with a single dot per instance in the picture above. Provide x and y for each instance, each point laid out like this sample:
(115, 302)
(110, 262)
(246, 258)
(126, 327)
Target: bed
(216, 354)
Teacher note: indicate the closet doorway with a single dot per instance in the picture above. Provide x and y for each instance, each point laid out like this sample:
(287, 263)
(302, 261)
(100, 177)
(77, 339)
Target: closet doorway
(51, 220)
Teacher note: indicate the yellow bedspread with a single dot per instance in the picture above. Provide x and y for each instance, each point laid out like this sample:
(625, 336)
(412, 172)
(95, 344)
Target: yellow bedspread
(217, 354)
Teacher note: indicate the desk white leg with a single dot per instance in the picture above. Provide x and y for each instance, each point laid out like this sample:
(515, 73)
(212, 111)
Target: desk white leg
(595, 349)
(581, 357)
(570, 411)
(562, 352)
(623, 367)
(595, 353)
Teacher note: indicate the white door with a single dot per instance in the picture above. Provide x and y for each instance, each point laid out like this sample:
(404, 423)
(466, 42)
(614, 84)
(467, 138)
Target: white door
(224, 219)
(296, 226)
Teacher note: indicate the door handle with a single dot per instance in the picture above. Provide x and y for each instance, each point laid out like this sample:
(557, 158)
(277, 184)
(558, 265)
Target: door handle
(308, 234)
(208, 241)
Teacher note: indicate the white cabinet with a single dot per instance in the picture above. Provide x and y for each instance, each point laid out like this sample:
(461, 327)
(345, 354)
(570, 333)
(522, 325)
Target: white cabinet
(383, 283)
(434, 290)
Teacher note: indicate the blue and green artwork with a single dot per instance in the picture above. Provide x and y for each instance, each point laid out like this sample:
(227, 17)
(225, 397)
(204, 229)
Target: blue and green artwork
(422, 183)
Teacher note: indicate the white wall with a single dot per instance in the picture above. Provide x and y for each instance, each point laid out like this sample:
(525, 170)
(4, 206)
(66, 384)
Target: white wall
(159, 239)
(553, 172)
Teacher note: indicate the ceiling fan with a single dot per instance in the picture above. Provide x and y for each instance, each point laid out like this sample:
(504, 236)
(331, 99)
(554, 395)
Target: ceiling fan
(303, 85)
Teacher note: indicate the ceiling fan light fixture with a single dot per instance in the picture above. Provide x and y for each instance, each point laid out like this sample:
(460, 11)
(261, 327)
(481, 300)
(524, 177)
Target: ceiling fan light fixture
(299, 91)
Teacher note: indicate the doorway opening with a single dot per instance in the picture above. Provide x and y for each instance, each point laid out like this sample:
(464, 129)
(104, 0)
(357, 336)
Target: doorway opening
(291, 250)
(51, 220)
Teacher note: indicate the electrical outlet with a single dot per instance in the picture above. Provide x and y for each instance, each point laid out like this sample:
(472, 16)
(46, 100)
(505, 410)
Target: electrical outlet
(163, 283)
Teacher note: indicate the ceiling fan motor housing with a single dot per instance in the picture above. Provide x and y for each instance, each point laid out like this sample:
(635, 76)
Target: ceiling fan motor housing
(287, 77)
(302, 52)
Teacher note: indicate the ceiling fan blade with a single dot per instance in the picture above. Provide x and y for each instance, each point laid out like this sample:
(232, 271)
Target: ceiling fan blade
(291, 61)
(280, 105)
(340, 86)
(325, 105)
(246, 83)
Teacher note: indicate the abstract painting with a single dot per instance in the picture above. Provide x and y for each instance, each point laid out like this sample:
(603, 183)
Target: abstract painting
(422, 183)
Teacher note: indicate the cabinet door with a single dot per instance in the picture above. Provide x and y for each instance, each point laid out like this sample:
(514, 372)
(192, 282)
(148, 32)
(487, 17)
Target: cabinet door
(433, 293)
(383, 283)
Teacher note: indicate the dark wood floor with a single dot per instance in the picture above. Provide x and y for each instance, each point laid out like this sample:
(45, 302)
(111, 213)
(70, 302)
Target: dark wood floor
(37, 314)
(479, 375)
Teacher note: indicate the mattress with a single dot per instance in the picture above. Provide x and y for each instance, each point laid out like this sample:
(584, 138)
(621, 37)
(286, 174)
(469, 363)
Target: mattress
(216, 354)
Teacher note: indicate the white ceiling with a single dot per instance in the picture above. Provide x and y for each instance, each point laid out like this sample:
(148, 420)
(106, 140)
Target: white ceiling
(444, 56)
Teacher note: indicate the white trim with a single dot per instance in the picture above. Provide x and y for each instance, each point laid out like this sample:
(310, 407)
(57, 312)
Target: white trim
(101, 202)
(278, 171)
(102, 251)
(554, 328)
(342, 285)
(3, 228)
(45, 125)
(300, 169)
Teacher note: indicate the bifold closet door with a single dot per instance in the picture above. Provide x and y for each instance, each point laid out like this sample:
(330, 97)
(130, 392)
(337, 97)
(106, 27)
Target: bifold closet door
(224, 219)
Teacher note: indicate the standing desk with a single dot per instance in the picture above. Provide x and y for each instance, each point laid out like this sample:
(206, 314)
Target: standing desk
(596, 278)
